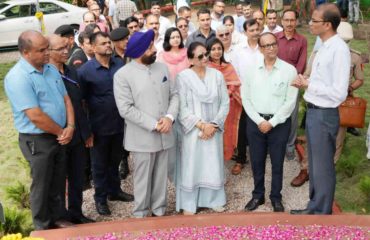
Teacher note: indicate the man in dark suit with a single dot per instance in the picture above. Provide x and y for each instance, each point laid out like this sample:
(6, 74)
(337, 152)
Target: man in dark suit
(76, 154)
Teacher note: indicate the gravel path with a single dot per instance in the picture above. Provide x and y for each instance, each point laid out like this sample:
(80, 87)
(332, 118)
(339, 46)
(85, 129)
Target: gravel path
(238, 190)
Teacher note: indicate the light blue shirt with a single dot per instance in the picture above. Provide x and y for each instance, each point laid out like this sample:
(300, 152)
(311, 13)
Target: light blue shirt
(28, 88)
(269, 92)
(239, 23)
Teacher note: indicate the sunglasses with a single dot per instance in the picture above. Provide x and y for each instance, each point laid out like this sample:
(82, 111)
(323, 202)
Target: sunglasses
(203, 55)
(224, 35)
(183, 26)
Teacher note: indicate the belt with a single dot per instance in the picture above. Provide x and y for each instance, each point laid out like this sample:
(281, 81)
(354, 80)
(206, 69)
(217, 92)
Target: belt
(266, 116)
(313, 106)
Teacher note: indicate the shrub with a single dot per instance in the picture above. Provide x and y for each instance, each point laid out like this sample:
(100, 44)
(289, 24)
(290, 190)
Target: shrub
(349, 165)
(20, 194)
(16, 221)
(364, 186)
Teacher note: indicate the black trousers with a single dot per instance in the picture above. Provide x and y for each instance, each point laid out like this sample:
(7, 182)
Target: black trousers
(274, 142)
(106, 155)
(76, 159)
(46, 158)
(242, 139)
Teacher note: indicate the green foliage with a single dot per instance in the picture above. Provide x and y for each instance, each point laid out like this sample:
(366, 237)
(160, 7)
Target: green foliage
(349, 166)
(364, 186)
(19, 194)
(15, 222)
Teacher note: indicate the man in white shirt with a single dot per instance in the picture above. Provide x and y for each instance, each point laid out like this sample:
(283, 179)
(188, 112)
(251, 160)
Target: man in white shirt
(243, 59)
(271, 22)
(326, 89)
(217, 14)
(238, 11)
(164, 23)
(152, 22)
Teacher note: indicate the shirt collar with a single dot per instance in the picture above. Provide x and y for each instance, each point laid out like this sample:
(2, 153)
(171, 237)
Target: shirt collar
(245, 44)
(261, 63)
(281, 35)
(30, 69)
(330, 41)
(198, 33)
(97, 64)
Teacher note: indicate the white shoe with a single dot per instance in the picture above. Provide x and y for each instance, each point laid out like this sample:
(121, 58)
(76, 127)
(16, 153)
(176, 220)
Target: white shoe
(219, 209)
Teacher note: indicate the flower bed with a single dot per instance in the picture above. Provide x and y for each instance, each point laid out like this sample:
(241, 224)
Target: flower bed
(283, 232)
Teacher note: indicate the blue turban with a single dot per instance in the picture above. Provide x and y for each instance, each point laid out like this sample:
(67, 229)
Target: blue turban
(138, 43)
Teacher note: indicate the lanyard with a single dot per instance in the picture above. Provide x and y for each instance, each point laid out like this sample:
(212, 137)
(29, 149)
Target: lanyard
(70, 80)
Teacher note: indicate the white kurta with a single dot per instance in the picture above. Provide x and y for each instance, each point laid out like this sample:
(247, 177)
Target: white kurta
(200, 171)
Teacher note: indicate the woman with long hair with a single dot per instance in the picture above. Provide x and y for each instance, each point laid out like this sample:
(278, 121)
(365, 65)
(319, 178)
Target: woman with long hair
(174, 53)
(236, 37)
(204, 105)
(215, 50)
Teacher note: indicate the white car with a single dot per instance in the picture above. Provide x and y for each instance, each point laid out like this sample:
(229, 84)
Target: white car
(17, 16)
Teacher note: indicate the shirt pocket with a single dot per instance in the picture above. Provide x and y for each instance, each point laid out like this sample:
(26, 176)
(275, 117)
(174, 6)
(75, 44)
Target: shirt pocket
(279, 89)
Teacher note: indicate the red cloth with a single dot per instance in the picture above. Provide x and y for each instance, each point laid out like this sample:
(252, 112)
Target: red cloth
(232, 121)
(293, 51)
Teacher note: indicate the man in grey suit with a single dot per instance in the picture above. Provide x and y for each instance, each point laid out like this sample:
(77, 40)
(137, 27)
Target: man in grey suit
(148, 101)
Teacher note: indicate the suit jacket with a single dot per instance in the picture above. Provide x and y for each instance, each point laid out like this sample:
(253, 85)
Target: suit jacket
(72, 84)
(143, 95)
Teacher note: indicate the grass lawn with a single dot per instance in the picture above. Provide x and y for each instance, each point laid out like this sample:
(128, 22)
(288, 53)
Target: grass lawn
(14, 168)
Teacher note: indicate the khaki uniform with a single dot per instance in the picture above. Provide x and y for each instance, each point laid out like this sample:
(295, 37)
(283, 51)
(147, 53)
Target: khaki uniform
(357, 72)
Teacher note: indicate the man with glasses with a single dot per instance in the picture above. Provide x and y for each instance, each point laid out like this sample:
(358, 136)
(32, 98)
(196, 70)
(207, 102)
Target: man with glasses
(217, 14)
(205, 34)
(76, 152)
(326, 89)
(185, 12)
(292, 49)
(43, 116)
(271, 22)
(244, 58)
(106, 124)
(269, 99)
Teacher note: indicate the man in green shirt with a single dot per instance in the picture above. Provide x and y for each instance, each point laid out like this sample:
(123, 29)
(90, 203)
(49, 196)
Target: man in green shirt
(268, 99)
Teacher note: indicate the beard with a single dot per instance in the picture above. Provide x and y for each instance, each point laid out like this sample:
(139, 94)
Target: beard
(149, 59)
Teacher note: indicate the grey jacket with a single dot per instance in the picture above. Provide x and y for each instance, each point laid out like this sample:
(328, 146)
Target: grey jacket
(143, 95)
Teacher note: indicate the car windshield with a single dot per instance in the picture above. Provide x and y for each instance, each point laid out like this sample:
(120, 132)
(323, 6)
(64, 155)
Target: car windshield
(3, 5)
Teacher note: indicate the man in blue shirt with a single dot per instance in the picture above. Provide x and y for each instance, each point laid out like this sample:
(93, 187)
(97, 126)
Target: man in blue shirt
(96, 77)
(44, 117)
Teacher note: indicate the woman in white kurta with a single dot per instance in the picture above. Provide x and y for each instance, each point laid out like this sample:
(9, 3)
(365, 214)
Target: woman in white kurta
(204, 105)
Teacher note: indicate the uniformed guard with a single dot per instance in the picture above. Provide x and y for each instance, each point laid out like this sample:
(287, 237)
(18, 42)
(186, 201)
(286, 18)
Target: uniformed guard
(356, 79)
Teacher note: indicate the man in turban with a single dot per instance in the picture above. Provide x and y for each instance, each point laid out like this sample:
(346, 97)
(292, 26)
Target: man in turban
(148, 101)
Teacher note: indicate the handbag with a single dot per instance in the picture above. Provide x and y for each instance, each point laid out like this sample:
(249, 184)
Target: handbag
(352, 112)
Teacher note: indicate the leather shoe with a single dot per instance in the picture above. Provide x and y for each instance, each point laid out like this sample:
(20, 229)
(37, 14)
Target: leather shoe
(254, 203)
(61, 223)
(277, 206)
(353, 131)
(237, 169)
(300, 179)
(81, 220)
(121, 196)
(102, 209)
(301, 212)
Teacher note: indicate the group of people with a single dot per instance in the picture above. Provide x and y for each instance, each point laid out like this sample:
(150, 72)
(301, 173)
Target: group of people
(178, 102)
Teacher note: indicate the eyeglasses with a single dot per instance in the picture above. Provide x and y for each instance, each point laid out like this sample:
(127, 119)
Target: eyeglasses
(224, 34)
(61, 49)
(317, 21)
(271, 45)
(203, 55)
(183, 26)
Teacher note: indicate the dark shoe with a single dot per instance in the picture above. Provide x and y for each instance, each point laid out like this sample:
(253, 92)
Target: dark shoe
(290, 155)
(123, 169)
(253, 204)
(237, 169)
(353, 131)
(121, 196)
(300, 179)
(277, 206)
(300, 212)
(102, 209)
(62, 224)
(81, 220)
